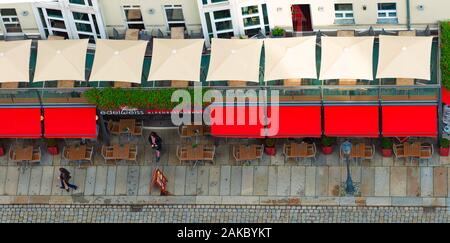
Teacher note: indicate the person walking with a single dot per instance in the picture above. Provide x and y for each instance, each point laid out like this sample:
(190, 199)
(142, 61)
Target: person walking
(156, 143)
(64, 177)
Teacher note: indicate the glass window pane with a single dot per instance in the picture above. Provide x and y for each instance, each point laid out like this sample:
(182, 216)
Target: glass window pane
(208, 23)
(84, 27)
(265, 14)
(251, 21)
(80, 16)
(81, 2)
(218, 1)
(339, 15)
(392, 14)
(225, 35)
(252, 32)
(349, 15)
(224, 25)
(54, 13)
(343, 7)
(8, 12)
(250, 10)
(222, 14)
(387, 6)
(174, 14)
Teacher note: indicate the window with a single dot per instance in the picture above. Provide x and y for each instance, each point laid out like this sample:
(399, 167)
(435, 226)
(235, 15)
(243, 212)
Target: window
(255, 19)
(10, 21)
(174, 16)
(206, 2)
(219, 24)
(387, 10)
(81, 2)
(133, 17)
(343, 11)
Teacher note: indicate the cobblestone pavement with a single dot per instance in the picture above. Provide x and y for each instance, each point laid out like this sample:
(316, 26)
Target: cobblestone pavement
(219, 214)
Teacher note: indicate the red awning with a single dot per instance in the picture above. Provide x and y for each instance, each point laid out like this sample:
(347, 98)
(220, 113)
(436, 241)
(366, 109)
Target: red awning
(20, 122)
(445, 96)
(351, 121)
(232, 121)
(295, 121)
(70, 122)
(409, 121)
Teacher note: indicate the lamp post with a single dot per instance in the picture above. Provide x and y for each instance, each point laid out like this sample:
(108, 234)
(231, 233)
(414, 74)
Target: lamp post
(347, 149)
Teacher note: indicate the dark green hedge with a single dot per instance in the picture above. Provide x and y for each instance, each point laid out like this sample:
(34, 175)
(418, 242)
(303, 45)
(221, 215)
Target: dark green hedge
(114, 98)
(445, 53)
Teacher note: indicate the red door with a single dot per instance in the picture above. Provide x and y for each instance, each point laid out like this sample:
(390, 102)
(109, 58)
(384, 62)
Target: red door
(301, 18)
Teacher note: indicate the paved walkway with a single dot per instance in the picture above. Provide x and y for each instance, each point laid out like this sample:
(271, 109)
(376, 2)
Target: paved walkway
(294, 185)
(272, 181)
(219, 214)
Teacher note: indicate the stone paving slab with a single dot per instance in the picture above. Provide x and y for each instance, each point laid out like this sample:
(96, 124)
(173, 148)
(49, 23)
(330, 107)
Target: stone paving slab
(272, 181)
(310, 181)
(225, 180)
(398, 181)
(297, 181)
(283, 180)
(382, 181)
(180, 180)
(247, 180)
(3, 170)
(101, 180)
(413, 182)
(111, 180)
(440, 182)
(214, 181)
(47, 180)
(426, 181)
(35, 180)
(260, 181)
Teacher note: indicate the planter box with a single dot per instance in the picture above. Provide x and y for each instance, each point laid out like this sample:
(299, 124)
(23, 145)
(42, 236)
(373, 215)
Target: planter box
(53, 150)
(386, 152)
(271, 151)
(444, 152)
(327, 149)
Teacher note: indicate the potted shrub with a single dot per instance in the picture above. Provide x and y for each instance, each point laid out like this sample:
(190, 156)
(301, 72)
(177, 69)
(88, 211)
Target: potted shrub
(52, 146)
(327, 145)
(278, 32)
(386, 147)
(444, 147)
(269, 146)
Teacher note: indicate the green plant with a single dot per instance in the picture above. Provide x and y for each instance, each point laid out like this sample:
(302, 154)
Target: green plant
(114, 98)
(445, 53)
(444, 143)
(277, 31)
(327, 141)
(386, 143)
(51, 142)
(269, 142)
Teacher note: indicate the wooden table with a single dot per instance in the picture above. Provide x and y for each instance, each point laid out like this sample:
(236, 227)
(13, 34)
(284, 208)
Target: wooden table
(299, 149)
(193, 130)
(76, 152)
(247, 152)
(23, 153)
(195, 153)
(127, 125)
(412, 150)
(121, 152)
(358, 151)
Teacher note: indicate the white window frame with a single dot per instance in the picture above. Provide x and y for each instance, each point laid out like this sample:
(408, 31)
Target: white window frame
(132, 7)
(175, 6)
(10, 17)
(67, 9)
(261, 26)
(386, 12)
(86, 3)
(344, 13)
(211, 3)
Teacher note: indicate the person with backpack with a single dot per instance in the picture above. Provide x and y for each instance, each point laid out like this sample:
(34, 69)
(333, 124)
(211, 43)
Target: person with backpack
(156, 143)
(64, 177)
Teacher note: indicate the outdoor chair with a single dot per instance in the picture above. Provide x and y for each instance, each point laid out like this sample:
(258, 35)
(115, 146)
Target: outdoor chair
(113, 127)
(89, 153)
(132, 34)
(426, 152)
(10, 85)
(344, 33)
(292, 82)
(55, 37)
(237, 83)
(399, 151)
(369, 152)
(179, 84)
(118, 84)
(65, 84)
(311, 152)
(36, 155)
(133, 154)
(177, 33)
(107, 153)
(137, 129)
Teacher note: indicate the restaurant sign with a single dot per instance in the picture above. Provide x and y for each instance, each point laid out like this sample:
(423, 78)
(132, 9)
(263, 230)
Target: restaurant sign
(128, 111)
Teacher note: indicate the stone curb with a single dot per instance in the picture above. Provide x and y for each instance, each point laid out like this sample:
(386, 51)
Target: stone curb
(228, 200)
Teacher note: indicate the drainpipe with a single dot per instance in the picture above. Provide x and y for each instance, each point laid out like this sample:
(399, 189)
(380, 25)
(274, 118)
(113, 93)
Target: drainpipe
(408, 14)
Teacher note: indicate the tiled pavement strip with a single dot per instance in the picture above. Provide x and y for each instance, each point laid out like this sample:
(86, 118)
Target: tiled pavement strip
(273, 182)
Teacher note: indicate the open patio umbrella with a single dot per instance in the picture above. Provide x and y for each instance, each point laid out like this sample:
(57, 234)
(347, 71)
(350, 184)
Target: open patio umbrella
(118, 60)
(176, 59)
(405, 57)
(347, 58)
(235, 59)
(290, 58)
(15, 61)
(61, 60)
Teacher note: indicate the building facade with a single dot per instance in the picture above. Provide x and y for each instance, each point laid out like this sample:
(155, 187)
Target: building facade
(213, 18)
